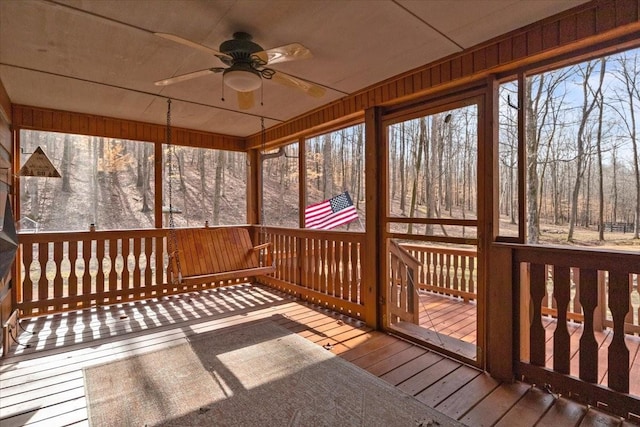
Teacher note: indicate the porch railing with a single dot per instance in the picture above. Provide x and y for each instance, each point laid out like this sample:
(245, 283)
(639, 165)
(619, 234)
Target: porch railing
(403, 271)
(71, 271)
(446, 271)
(596, 282)
(323, 267)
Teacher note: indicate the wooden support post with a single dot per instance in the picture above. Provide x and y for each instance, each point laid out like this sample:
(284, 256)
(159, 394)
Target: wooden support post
(500, 352)
(374, 267)
(524, 290)
(302, 250)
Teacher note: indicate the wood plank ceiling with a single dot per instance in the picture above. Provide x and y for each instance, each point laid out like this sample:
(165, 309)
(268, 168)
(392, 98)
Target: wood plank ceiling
(101, 57)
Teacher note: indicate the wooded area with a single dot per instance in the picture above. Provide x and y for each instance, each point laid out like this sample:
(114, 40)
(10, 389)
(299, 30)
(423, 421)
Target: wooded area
(582, 167)
(582, 149)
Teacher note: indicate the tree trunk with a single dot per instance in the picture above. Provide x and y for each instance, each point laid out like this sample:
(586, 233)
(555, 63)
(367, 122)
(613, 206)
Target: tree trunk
(327, 167)
(418, 156)
(533, 234)
(146, 176)
(587, 108)
(66, 162)
(217, 188)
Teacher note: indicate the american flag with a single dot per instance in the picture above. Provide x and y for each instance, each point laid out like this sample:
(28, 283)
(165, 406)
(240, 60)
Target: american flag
(330, 213)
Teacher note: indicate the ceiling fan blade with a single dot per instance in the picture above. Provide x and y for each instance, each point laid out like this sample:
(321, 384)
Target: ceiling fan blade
(294, 82)
(194, 45)
(187, 76)
(289, 52)
(245, 100)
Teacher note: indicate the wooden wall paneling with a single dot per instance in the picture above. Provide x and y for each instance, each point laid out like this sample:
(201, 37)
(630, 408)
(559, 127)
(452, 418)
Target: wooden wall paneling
(456, 69)
(586, 24)
(492, 57)
(534, 41)
(37, 118)
(505, 50)
(568, 29)
(435, 75)
(606, 16)
(445, 72)
(550, 35)
(417, 86)
(392, 90)
(479, 61)
(627, 12)
(519, 46)
(467, 65)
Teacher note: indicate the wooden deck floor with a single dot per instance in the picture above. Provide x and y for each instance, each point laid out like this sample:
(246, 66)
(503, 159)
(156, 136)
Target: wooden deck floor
(455, 318)
(43, 384)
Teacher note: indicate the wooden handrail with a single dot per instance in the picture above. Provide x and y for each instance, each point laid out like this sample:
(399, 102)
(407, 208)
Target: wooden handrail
(601, 282)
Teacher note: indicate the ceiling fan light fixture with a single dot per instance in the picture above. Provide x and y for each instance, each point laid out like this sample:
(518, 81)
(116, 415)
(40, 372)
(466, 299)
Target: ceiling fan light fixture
(242, 80)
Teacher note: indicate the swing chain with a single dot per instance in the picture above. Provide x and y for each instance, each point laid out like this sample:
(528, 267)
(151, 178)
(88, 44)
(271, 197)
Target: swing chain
(264, 237)
(173, 239)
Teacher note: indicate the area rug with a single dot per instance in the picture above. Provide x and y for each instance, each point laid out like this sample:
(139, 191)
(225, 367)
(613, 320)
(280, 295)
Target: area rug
(256, 375)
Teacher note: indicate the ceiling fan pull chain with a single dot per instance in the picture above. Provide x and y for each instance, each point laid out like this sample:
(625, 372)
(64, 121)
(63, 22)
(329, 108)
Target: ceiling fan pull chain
(222, 99)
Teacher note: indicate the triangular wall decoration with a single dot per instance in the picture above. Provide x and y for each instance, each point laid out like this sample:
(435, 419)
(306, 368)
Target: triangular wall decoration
(39, 165)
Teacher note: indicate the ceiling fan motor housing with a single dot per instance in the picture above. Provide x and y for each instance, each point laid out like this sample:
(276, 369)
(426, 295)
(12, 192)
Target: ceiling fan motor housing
(241, 50)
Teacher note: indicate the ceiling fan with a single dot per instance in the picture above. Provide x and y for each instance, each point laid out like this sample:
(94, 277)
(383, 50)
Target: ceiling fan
(247, 65)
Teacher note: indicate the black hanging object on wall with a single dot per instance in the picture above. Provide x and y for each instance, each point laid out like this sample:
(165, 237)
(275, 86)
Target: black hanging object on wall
(8, 236)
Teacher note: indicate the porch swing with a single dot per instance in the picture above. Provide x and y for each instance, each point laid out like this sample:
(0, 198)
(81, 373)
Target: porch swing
(210, 255)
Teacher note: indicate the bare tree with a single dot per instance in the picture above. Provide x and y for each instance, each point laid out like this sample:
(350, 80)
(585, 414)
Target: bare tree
(587, 107)
(629, 74)
(539, 92)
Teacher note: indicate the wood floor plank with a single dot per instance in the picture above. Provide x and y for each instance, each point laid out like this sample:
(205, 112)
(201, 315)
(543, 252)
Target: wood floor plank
(436, 393)
(528, 410)
(354, 342)
(563, 412)
(428, 376)
(367, 347)
(489, 410)
(460, 402)
(594, 418)
(411, 368)
(381, 353)
(383, 366)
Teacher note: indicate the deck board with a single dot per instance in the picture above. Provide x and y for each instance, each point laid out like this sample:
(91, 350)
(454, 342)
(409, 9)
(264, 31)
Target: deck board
(442, 313)
(43, 385)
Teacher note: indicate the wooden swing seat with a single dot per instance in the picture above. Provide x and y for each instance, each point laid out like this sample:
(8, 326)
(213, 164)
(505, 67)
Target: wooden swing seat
(209, 255)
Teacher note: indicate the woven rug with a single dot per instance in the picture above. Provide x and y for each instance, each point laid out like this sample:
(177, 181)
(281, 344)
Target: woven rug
(257, 375)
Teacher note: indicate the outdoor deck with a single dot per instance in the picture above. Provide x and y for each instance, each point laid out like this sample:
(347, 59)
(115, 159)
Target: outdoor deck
(453, 317)
(43, 384)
